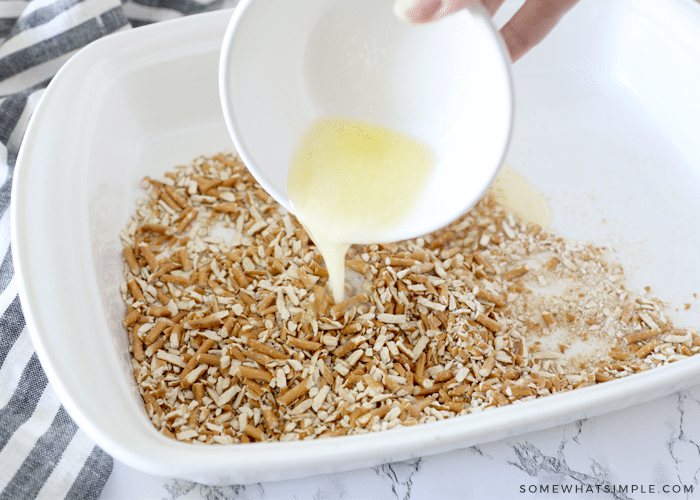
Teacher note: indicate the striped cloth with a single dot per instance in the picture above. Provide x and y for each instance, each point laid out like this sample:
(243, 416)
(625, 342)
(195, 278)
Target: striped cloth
(43, 454)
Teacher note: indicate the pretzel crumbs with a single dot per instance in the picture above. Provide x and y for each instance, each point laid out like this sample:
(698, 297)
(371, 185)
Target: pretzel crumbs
(234, 337)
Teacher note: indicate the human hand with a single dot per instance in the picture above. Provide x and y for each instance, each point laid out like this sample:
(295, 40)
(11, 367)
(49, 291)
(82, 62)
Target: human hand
(530, 24)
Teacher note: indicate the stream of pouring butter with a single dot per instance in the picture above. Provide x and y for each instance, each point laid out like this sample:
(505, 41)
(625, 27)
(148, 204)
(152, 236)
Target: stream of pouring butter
(345, 172)
(349, 182)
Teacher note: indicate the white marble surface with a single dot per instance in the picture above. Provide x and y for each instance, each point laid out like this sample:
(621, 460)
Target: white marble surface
(646, 451)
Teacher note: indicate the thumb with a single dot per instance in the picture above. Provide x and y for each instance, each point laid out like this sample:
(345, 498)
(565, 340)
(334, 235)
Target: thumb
(423, 11)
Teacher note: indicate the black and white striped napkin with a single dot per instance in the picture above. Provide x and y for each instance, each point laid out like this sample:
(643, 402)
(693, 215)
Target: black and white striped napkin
(43, 454)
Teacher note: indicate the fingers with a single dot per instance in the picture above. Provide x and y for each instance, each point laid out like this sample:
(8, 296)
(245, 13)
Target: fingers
(423, 11)
(530, 24)
(492, 5)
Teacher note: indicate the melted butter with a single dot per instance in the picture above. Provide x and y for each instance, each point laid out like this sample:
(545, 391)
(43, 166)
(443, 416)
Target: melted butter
(349, 181)
(514, 192)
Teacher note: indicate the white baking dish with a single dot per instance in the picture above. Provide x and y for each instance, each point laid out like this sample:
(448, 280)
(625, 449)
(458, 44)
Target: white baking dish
(606, 127)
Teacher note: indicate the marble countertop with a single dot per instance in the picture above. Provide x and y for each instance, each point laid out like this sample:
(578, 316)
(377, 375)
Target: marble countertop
(647, 451)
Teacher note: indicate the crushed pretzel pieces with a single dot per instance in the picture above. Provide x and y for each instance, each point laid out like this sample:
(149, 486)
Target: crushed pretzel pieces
(234, 337)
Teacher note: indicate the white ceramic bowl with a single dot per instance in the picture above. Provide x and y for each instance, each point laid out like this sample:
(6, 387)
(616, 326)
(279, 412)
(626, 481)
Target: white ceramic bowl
(285, 64)
(598, 132)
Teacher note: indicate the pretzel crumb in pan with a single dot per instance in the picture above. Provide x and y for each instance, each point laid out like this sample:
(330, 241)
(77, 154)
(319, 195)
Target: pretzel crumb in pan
(234, 338)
